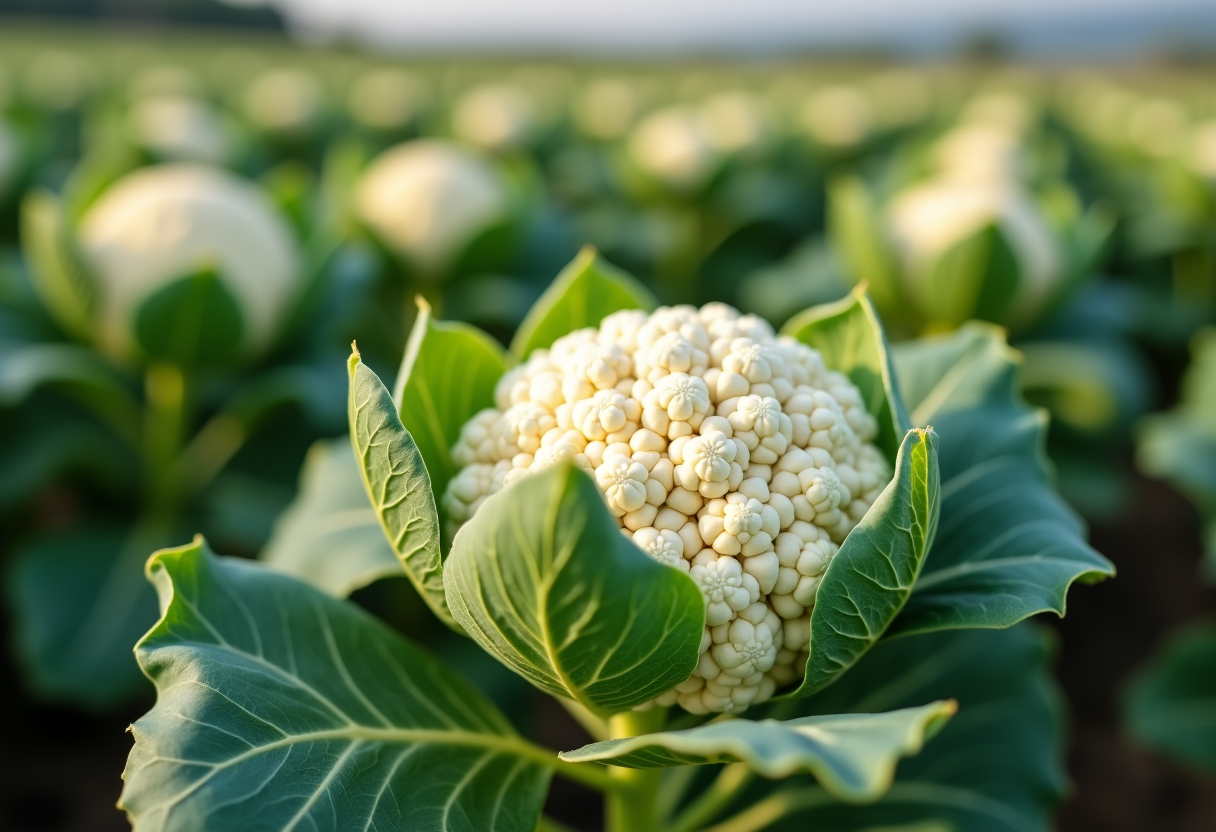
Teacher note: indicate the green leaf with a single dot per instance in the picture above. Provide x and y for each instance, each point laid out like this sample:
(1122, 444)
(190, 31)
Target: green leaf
(871, 577)
(330, 536)
(193, 321)
(60, 278)
(78, 601)
(850, 337)
(281, 707)
(1171, 704)
(995, 767)
(447, 376)
(856, 230)
(852, 755)
(1007, 546)
(397, 483)
(544, 580)
(1179, 446)
(25, 367)
(586, 291)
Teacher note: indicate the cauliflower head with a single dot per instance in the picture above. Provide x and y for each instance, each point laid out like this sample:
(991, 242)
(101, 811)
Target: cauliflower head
(722, 450)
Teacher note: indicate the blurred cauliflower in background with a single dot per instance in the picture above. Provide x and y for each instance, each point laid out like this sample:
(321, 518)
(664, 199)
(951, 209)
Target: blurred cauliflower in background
(722, 451)
(162, 224)
(427, 200)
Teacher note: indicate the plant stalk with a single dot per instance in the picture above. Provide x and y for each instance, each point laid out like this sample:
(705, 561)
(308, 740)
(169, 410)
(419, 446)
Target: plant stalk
(634, 808)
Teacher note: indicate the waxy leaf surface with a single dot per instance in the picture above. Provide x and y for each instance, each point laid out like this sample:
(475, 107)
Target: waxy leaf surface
(995, 767)
(280, 707)
(544, 580)
(1007, 546)
(871, 577)
(853, 756)
(397, 484)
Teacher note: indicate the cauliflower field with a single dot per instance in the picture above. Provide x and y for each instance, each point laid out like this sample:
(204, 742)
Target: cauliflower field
(472, 445)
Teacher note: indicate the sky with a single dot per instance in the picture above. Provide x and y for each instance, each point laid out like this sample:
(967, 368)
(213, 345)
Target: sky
(656, 26)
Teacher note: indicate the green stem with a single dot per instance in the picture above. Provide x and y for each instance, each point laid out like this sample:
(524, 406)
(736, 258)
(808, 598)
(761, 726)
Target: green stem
(771, 809)
(632, 808)
(164, 423)
(595, 727)
(548, 824)
(732, 780)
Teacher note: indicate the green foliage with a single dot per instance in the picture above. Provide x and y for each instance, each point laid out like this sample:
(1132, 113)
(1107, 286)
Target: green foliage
(279, 705)
(1179, 446)
(1171, 704)
(853, 756)
(59, 277)
(995, 767)
(850, 337)
(330, 536)
(447, 375)
(397, 483)
(869, 580)
(587, 291)
(192, 322)
(543, 579)
(1007, 546)
(78, 601)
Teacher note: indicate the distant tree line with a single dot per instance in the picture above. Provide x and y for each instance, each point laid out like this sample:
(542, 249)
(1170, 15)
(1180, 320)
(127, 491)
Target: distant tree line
(148, 12)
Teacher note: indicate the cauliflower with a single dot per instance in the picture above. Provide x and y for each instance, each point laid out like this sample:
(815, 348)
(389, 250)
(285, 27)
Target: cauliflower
(428, 199)
(721, 450)
(161, 223)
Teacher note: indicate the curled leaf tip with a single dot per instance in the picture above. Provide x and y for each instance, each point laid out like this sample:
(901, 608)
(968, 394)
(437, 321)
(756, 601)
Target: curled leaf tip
(354, 349)
(422, 304)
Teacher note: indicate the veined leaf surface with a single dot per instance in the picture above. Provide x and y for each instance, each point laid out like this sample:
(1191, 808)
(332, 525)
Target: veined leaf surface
(1007, 546)
(397, 484)
(852, 755)
(995, 767)
(871, 577)
(543, 579)
(280, 707)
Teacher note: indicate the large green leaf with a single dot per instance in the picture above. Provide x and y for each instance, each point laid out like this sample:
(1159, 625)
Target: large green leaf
(397, 483)
(280, 707)
(1007, 546)
(852, 755)
(78, 601)
(1171, 705)
(543, 579)
(330, 536)
(65, 287)
(447, 375)
(586, 291)
(995, 767)
(872, 575)
(850, 337)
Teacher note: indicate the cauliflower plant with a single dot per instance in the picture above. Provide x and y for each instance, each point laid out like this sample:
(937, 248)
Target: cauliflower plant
(721, 450)
(165, 222)
(427, 200)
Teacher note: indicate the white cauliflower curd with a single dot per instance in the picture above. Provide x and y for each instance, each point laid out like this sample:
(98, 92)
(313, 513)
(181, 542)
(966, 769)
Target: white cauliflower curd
(722, 451)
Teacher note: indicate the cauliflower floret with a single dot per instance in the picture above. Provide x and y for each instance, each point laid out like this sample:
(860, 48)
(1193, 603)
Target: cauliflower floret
(721, 450)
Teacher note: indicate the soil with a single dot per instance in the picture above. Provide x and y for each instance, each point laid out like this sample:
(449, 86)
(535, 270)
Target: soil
(62, 768)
